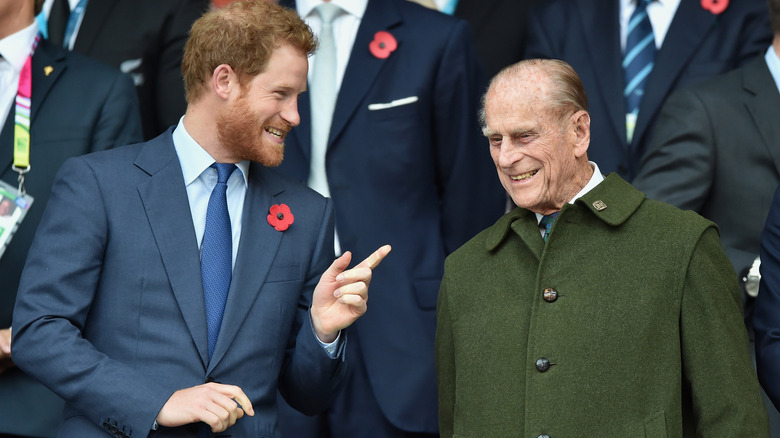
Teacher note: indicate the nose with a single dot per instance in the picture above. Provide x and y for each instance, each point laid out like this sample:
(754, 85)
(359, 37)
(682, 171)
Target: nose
(290, 113)
(507, 155)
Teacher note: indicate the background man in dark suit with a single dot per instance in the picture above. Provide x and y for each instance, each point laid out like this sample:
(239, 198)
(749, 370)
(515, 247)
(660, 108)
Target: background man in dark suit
(716, 151)
(499, 29)
(692, 43)
(144, 38)
(589, 310)
(766, 322)
(146, 324)
(78, 106)
(405, 164)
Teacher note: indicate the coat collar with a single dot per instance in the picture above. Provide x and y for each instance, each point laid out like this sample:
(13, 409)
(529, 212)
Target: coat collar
(613, 202)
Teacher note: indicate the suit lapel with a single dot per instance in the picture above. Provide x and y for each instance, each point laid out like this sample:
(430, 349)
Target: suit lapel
(762, 104)
(256, 252)
(602, 34)
(363, 67)
(688, 28)
(164, 197)
(93, 21)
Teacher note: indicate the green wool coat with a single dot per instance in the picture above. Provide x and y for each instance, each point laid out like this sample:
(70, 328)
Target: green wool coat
(645, 338)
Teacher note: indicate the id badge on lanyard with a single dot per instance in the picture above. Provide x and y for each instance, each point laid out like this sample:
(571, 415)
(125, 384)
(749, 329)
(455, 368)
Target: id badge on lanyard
(15, 202)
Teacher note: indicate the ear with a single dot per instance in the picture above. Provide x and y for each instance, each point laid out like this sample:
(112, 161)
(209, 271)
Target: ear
(581, 122)
(224, 81)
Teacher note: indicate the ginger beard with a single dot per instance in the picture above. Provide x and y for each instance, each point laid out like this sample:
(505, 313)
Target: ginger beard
(240, 130)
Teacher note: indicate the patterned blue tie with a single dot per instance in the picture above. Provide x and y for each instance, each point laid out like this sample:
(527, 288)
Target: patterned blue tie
(638, 60)
(546, 223)
(216, 254)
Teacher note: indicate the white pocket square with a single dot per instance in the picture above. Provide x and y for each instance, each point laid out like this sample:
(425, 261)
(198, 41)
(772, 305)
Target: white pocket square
(397, 102)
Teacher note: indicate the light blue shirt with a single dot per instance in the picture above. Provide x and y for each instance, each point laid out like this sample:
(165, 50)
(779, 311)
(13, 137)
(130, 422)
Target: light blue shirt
(773, 62)
(200, 179)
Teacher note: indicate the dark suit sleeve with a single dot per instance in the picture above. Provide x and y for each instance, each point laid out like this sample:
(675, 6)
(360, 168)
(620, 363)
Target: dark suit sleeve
(310, 378)
(715, 355)
(471, 196)
(445, 363)
(57, 289)
(766, 313)
(679, 165)
(119, 122)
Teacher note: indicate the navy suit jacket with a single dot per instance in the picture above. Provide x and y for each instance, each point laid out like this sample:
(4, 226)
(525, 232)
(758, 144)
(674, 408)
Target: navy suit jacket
(144, 38)
(111, 314)
(81, 106)
(417, 176)
(698, 44)
(766, 314)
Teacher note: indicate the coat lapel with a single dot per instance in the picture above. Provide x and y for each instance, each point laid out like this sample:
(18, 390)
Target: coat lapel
(256, 252)
(93, 21)
(762, 104)
(165, 201)
(602, 34)
(688, 28)
(363, 67)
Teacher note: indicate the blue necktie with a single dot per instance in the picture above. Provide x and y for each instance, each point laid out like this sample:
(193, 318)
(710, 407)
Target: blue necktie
(216, 254)
(547, 223)
(638, 59)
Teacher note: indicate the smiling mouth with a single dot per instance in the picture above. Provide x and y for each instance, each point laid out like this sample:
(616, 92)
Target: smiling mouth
(524, 176)
(275, 132)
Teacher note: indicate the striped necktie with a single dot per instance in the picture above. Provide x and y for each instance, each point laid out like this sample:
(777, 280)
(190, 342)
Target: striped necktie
(637, 61)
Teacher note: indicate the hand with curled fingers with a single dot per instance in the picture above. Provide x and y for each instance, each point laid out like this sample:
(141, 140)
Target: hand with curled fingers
(341, 295)
(215, 404)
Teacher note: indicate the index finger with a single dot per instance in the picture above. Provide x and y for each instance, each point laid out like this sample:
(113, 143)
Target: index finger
(240, 399)
(374, 259)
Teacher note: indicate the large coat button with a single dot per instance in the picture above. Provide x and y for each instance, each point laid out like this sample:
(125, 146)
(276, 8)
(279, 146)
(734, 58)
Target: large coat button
(550, 295)
(542, 364)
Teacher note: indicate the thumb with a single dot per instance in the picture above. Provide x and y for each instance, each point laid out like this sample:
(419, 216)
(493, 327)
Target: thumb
(339, 265)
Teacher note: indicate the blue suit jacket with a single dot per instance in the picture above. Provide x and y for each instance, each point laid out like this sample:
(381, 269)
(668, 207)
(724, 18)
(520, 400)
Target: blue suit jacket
(81, 106)
(417, 176)
(111, 315)
(698, 44)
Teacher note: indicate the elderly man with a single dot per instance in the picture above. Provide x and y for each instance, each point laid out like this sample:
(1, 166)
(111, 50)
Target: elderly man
(191, 281)
(619, 318)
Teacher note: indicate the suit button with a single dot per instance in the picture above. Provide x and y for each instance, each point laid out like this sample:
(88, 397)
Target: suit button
(113, 429)
(209, 379)
(550, 295)
(542, 364)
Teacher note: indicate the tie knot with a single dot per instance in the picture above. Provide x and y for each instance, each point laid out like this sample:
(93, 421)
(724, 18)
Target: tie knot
(642, 4)
(327, 12)
(548, 220)
(224, 170)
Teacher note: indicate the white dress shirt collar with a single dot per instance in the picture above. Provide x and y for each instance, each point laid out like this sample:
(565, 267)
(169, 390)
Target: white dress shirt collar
(773, 62)
(594, 180)
(16, 47)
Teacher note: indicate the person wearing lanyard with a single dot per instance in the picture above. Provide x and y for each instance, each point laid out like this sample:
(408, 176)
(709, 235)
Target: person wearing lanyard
(76, 106)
